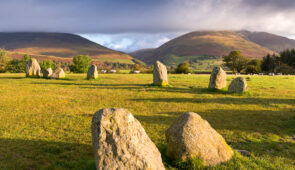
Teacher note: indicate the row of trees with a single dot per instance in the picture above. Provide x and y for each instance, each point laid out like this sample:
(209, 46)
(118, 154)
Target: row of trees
(283, 63)
(7, 64)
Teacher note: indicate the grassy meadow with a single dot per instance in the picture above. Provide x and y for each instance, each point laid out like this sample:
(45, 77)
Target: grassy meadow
(45, 124)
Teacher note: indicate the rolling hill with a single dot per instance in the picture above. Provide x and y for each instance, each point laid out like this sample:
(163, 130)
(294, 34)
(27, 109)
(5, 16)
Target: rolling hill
(198, 44)
(58, 46)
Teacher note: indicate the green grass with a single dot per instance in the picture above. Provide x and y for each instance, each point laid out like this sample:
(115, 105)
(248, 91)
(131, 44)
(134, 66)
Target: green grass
(45, 124)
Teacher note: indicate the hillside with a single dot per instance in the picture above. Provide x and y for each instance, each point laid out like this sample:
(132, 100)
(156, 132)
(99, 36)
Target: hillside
(58, 46)
(271, 41)
(215, 43)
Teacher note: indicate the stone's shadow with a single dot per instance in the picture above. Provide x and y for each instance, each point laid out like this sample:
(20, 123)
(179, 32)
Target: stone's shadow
(148, 87)
(16, 78)
(267, 148)
(39, 154)
(224, 100)
(259, 121)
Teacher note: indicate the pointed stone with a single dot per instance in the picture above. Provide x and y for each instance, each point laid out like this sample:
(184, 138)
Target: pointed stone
(92, 72)
(47, 73)
(160, 74)
(33, 68)
(238, 85)
(120, 142)
(58, 74)
(192, 137)
(217, 78)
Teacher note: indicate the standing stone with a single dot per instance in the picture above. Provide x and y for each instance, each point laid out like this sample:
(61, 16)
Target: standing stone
(47, 73)
(160, 74)
(238, 85)
(33, 68)
(120, 142)
(92, 72)
(192, 137)
(58, 74)
(217, 78)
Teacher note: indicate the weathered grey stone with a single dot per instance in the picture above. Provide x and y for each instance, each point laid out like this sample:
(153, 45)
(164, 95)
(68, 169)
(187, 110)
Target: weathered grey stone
(217, 78)
(238, 85)
(120, 142)
(58, 74)
(47, 73)
(192, 137)
(33, 68)
(160, 74)
(92, 72)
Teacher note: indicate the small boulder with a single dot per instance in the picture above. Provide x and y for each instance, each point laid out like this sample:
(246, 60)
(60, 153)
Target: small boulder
(192, 137)
(160, 74)
(238, 85)
(92, 72)
(120, 142)
(33, 68)
(47, 73)
(217, 78)
(58, 74)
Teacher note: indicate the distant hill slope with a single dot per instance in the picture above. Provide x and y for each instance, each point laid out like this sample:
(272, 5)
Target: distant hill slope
(216, 43)
(62, 46)
(274, 42)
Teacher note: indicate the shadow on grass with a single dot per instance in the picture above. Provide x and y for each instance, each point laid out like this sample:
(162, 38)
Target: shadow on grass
(38, 154)
(8, 78)
(223, 100)
(259, 121)
(149, 87)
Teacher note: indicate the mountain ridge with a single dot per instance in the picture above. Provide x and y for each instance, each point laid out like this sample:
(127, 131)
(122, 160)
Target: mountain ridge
(217, 43)
(59, 46)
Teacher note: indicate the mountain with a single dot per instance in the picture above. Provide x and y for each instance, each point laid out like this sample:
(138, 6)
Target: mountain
(198, 44)
(271, 41)
(58, 46)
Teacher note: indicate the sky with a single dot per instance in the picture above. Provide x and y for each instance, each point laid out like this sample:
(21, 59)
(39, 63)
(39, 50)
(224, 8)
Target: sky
(128, 25)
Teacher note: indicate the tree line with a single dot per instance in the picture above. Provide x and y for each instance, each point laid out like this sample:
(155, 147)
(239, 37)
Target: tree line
(284, 62)
(80, 64)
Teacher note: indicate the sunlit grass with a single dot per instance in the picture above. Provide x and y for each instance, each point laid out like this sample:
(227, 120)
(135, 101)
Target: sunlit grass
(46, 123)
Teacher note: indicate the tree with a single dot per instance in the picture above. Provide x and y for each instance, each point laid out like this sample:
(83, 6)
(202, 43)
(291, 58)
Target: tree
(45, 64)
(288, 57)
(24, 61)
(183, 68)
(269, 63)
(254, 66)
(4, 61)
(235, 61)
(15, 66)
(80, 64)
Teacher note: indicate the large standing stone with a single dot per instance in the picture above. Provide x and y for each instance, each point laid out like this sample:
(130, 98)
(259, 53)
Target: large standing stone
(33, 68)
(120, 142)
(192, 137)
(160, 74)
(238, 85)
(47, 72)
(58, 74)
(92, 72)
(217, 78)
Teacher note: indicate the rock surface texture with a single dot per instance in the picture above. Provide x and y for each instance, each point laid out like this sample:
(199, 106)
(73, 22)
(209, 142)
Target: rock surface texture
(238, 85)
(33, 68)
(217, 78)
(58, 74)
(192, 137)
(47, 73)
(120, 142)
(92, 72)
(160, 74)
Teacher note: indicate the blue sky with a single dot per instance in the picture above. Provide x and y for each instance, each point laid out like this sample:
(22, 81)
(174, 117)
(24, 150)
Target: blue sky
(128, 25)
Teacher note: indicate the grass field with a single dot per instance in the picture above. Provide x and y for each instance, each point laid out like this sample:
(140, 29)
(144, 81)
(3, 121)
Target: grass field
(45, 124)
